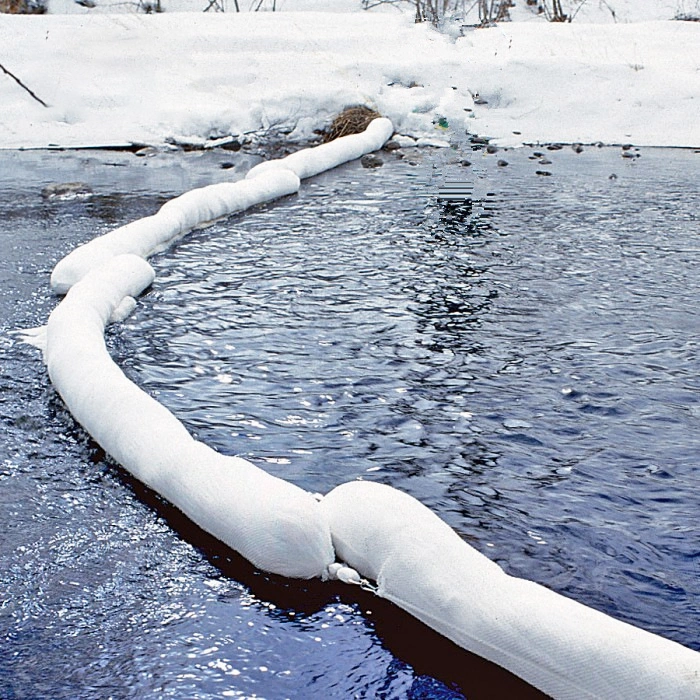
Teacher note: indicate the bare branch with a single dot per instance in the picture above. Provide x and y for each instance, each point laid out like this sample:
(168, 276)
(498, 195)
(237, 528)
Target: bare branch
(581, 4)
(22, 85)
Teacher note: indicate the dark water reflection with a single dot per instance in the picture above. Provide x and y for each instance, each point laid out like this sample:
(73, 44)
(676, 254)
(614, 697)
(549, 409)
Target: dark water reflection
(525, 363)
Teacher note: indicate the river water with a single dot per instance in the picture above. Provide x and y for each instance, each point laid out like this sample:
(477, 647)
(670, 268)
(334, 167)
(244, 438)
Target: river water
(524, 362)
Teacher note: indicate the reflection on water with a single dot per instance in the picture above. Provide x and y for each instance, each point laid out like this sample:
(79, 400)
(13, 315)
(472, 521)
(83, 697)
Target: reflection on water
(524, 362)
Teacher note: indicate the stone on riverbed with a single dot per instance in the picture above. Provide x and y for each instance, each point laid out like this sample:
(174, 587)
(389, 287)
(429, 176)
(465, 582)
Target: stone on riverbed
(66, 190)
(371, 161)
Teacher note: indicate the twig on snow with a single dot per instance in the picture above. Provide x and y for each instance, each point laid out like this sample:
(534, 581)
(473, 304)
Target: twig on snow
(22, 85)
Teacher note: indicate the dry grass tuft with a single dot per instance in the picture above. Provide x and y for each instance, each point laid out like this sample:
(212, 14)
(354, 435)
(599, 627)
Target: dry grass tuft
(352, 120)
(22, 7)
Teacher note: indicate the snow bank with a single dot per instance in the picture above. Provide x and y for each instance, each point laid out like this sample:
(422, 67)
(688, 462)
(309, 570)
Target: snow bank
(225, 74)
(631, 83)
(230, 74)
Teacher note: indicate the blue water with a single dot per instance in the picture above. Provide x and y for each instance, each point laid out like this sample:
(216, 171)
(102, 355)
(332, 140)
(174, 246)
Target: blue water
(525, 363)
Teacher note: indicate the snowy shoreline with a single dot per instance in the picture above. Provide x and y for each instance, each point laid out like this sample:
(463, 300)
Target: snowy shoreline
(196, 78)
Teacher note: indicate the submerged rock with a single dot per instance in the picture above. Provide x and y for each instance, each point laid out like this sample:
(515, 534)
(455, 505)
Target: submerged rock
(146, 152)
(67, 190)
(233, 145)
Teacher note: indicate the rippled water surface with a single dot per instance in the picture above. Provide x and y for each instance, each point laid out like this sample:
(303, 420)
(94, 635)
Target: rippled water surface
(525, 363)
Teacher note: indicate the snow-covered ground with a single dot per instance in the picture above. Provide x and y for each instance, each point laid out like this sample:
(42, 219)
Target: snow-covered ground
(113, 77)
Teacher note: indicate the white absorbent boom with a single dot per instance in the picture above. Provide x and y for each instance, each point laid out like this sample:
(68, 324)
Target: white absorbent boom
(565, 649)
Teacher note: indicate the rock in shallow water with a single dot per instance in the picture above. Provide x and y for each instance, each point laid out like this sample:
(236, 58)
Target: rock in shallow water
(371, 161)
(66, 190)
